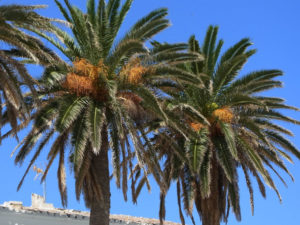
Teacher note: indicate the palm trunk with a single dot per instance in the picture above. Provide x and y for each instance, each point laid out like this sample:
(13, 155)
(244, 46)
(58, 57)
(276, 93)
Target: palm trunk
(100, 207)
(209, 208)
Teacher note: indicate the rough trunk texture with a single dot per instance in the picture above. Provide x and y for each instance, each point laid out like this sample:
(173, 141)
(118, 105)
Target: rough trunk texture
(100, 208)
(209, 208)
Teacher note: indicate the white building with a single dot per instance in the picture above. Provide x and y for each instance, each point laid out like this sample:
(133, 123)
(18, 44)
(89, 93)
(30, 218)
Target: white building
(41, 213)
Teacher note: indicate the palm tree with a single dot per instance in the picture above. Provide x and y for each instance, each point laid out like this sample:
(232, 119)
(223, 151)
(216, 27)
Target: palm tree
(100, 101)
(18, 44)
(236, 128)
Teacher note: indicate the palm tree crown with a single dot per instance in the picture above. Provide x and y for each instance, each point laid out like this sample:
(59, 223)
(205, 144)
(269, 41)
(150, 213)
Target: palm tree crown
(99, 101)
(236, 129)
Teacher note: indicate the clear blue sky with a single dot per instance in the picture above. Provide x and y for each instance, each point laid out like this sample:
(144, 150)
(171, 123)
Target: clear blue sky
(273, 26)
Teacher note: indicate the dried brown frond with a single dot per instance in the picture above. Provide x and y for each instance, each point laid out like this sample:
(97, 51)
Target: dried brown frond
(61, 174)
(131, 102)
(162, 208)
(179, 203)
(82, 172)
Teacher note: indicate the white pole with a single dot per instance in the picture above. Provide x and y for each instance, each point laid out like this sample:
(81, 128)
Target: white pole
(44, 189)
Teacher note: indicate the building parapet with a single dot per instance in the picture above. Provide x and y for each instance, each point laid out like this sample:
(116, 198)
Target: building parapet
(39, 207)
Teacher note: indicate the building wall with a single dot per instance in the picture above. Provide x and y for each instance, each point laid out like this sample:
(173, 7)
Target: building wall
(42, 213)
(8, 217)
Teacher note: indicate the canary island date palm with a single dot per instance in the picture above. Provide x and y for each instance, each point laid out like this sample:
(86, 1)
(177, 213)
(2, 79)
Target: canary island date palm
(16, 45)
(236, 126)
(98, 102)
